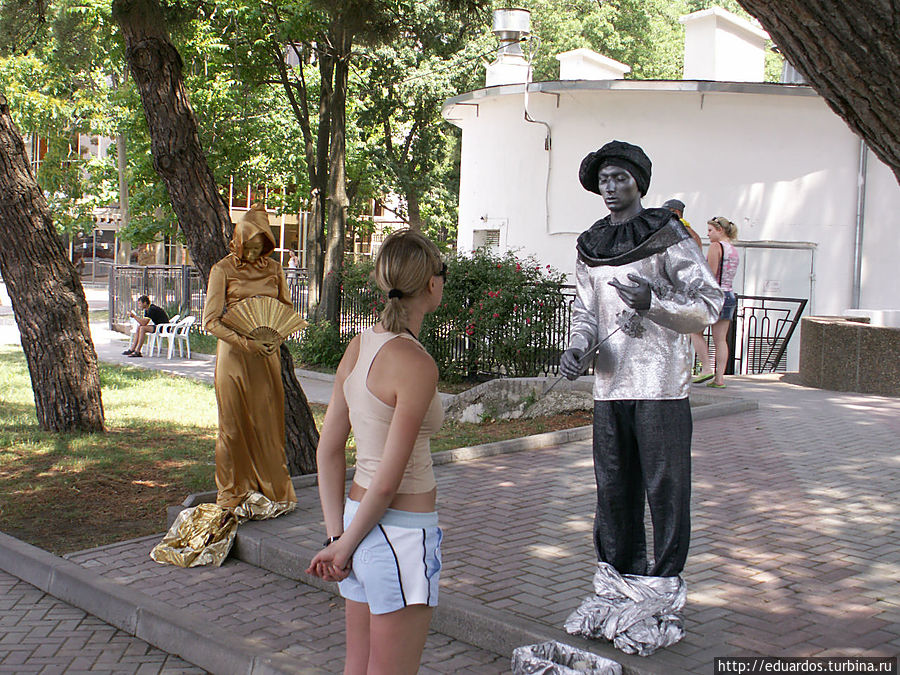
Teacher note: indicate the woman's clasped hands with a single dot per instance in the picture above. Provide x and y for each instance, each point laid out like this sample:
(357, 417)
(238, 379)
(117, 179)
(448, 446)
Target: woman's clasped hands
(332, 563)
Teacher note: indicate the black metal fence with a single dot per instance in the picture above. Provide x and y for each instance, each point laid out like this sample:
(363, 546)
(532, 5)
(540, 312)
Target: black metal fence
(758, 341)
(528, 343)
(176, 288)
(760, 333)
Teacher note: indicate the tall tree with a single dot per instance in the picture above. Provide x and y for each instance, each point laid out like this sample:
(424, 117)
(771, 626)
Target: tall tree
(340, 36)
(46, 293)
(849, 51)
(401, 87)
(326, 35)
(47, 297)
(203, 216)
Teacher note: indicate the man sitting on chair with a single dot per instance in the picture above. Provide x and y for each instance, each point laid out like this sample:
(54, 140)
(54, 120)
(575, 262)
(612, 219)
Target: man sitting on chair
(153, 316)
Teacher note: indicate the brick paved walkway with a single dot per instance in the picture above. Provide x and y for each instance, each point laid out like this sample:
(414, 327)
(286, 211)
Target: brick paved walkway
(284, 615)
(794, 548)
(40, 634)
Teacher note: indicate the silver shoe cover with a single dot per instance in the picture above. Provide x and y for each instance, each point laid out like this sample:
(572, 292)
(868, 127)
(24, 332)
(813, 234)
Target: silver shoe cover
(556, 658)
(639, 614)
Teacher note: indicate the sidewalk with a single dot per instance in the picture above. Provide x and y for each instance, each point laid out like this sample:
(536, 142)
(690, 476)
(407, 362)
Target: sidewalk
(794, 550)
(794, 546)
(40, 634)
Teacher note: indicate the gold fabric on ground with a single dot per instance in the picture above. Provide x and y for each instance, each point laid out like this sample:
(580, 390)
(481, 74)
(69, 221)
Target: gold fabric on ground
(200, 535)
(249, 393)
(257, 506)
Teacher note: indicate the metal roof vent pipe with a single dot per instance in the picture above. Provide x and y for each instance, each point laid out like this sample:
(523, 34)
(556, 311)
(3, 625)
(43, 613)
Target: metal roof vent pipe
(512, 27)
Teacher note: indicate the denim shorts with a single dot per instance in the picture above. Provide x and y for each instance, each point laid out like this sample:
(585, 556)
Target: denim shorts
(729, 306)
(397, 564)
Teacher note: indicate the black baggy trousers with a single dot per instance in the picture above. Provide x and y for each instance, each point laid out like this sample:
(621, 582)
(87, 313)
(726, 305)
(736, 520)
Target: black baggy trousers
(643, 447)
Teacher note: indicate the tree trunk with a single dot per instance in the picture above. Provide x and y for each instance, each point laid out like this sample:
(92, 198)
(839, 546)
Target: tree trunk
(849, 51)
(299, 426)
(412, 206)
(315, 253)
(47, 297)
(319, 178)
(123, 252)
(338, 203)
(178, 158)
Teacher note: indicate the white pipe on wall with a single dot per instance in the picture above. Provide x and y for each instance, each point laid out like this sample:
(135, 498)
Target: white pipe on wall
(860, 221)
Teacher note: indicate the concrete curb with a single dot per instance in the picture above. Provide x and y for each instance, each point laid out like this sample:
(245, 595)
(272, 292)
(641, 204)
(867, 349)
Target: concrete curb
(726, 406)
(178, 632)
(314, 375)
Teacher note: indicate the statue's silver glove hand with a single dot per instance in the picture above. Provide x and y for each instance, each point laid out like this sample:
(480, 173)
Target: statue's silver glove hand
(637, 296)
(570, 363)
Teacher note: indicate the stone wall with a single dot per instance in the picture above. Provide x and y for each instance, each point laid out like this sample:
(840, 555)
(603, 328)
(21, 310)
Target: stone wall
(849, 355)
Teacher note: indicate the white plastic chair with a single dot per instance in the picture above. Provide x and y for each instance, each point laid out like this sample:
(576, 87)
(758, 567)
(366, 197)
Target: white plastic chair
(180, 333)
(153, 339)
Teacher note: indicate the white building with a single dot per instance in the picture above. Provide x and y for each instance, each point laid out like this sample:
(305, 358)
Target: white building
(817, 212)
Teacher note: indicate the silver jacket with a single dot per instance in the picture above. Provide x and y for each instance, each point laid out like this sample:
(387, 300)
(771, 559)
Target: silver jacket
(650, 357)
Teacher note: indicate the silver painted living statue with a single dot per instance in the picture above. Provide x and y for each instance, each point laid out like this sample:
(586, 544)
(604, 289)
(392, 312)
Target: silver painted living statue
(642, 288)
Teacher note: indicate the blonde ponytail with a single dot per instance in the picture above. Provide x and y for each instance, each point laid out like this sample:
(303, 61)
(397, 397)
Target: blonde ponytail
(393, 316)
(728, 228)
(404, 265)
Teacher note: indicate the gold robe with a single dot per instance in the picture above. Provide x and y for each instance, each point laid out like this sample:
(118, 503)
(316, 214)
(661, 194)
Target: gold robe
(249, 392)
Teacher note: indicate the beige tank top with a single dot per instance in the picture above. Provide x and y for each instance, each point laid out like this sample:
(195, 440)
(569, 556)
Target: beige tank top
(371, 418)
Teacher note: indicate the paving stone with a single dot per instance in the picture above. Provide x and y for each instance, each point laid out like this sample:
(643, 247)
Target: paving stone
(88, 644)
(794, 522)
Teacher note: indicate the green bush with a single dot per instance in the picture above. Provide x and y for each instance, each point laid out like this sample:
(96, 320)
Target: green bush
(499, 313)
(322, 345)
(358, 274)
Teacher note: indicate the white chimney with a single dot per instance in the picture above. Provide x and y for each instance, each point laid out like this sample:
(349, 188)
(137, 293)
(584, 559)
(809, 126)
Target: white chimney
(586, 64)
(719, 45)
(511, 26)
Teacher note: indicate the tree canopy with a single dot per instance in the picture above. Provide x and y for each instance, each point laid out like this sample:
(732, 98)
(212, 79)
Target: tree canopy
(246, 64)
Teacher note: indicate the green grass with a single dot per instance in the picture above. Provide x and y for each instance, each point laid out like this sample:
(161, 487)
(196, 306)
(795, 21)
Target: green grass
(203, 343)
(67, 492)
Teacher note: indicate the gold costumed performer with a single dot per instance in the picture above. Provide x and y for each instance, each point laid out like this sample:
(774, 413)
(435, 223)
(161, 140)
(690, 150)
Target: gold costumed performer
(250, 455)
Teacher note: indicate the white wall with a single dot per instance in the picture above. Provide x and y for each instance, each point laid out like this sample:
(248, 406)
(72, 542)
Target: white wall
(881, 239)
(782, 167)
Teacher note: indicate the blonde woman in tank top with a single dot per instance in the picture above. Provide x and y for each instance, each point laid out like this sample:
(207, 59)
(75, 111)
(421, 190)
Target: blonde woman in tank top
(383, 543)
(723, 260)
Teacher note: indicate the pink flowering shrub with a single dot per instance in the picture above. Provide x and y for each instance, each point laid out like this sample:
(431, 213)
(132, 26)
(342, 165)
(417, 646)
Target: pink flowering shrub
(497, 316)
(500, 314)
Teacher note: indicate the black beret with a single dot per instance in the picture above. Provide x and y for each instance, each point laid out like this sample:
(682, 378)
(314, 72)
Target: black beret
(617, 153)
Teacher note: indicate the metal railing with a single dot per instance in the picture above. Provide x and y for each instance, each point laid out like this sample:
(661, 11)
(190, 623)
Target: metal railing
(758, 338)
(760, 333)
(175, 288)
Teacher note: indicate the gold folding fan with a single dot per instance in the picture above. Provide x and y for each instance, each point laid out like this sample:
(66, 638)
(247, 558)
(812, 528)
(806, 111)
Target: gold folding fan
(263, 318)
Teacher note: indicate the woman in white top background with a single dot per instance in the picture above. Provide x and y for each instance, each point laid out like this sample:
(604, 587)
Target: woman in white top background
(723, 259)
(386, 389)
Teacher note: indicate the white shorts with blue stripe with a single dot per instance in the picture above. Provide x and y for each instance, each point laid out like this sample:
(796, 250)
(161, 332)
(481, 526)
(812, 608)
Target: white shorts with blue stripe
(397, 564)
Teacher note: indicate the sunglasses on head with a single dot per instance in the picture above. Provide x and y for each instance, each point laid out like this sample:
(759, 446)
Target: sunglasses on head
(442, 272)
